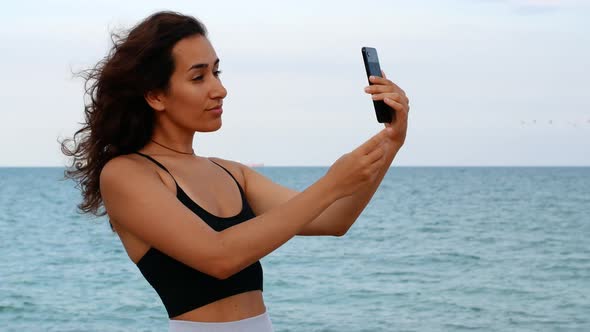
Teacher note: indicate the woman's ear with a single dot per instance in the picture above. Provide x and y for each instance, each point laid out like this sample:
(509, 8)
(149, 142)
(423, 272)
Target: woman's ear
(156, 100)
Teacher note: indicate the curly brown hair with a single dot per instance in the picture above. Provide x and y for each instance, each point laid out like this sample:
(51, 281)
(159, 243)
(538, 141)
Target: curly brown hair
(118, 120)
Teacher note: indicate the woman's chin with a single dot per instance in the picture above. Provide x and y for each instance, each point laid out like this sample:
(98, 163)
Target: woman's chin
(211, 128)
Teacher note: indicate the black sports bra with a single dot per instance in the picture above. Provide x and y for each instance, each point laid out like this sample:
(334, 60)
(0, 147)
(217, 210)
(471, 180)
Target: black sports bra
(182, 288)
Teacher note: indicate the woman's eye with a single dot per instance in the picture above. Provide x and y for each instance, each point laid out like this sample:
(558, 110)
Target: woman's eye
(200, 78)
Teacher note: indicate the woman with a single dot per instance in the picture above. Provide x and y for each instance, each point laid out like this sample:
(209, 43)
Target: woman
(197, 227)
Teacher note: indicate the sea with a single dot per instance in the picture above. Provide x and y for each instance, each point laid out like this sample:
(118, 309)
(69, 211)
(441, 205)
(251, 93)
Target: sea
(436, 249)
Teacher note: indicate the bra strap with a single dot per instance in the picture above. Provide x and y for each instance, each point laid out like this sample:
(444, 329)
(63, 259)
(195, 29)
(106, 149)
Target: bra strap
(228, 172)
(157, 163)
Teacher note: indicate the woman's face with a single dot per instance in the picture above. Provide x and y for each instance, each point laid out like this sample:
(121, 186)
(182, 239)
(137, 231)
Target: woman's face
(195, 92)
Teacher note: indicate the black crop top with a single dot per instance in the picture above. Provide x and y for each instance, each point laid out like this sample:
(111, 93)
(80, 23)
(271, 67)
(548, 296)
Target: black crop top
(182, 288)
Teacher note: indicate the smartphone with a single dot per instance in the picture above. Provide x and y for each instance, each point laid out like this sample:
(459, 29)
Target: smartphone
(385, 114)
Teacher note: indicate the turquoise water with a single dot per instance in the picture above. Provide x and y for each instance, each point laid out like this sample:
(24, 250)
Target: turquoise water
(438, 249)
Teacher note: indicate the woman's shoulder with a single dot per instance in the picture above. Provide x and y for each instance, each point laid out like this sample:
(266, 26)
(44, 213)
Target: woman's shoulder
(124, 165)
(226, 162)
(123, 162)
(235, 167)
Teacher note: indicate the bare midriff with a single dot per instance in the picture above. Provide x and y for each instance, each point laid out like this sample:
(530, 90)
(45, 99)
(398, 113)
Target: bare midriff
(236, 307)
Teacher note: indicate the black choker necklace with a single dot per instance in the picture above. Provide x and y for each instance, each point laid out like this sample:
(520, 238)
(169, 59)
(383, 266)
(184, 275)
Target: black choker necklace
(171, 149)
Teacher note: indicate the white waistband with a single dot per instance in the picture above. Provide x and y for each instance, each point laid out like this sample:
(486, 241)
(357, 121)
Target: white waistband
(260, 323)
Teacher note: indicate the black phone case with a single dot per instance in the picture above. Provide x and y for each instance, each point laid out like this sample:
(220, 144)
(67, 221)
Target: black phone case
(385, 114)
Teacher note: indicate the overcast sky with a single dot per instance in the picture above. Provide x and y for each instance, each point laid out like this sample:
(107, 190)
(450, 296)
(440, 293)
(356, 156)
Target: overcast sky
(491, 82)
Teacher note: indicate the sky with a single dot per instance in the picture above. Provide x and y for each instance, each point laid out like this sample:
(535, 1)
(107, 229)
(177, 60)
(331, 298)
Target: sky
(490, 82)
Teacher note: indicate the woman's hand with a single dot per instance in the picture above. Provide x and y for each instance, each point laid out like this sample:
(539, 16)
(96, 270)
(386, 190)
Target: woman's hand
(394, 97)
(361, 166)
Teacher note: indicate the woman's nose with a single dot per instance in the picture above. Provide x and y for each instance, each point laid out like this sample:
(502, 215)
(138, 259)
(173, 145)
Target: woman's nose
(217, 91)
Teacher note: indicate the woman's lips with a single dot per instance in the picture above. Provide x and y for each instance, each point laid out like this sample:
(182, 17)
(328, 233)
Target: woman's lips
(216, 111)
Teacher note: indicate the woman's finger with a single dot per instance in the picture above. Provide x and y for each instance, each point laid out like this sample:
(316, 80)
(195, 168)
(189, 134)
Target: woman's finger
(393, 95)
(376, 88)
(373, 89)
(379, 80)
(403, 100)
(395, 105)
(401, 112)
(384, 81)
(396, 97)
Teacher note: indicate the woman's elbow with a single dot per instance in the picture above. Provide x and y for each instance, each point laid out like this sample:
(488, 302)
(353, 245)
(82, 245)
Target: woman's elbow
(221, 270)
(339, 232)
